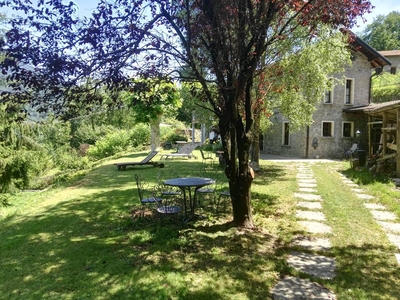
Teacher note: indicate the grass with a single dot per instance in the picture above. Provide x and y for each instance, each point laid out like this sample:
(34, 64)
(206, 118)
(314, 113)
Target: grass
(85, 241)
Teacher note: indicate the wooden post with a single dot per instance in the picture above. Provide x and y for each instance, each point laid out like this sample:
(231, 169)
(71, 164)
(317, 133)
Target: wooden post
(384, 134)
(398, 144)
(370, 148)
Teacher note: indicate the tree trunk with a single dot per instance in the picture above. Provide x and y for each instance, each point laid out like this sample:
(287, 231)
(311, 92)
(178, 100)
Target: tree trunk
(255, 144)
(240, 175)
(155, 132)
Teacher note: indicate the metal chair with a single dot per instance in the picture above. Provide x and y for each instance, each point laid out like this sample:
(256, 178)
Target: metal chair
(349, 153)
(147, 194)
(170, 205)
(206, 158)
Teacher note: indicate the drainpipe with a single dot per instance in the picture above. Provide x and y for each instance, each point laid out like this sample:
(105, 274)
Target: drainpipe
(307, 139)
(377, 72)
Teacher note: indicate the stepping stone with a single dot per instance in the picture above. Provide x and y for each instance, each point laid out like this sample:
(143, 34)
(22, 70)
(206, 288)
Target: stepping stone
(307, 190)
(311, 243)
(310, 215)
(315, 227)
(315, 265)
(348, 181)
(383, 215)
(307, 185)
(309, 180)
(310, 205)
(389, 226)
(394, 239)
(292, 288)
(358, 191)
(374, 206)
(365, 196)
(299, 176)
(309, 197)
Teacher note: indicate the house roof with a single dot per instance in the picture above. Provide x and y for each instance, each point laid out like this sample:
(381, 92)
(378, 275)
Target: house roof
(390, 108)
(390, 53)
(375, 58)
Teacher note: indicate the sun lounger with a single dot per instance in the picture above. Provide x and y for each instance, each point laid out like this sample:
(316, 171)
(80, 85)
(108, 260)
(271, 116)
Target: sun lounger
(146, 161)
(185, 151)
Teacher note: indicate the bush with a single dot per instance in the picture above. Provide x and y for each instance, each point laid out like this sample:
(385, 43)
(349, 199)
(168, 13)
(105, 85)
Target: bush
(14, 172)
(110, 145)
(139, 135)
(67, 158)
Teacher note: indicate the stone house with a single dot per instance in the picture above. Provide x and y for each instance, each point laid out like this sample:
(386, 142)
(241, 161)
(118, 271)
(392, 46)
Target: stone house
(339, 120)
(394, 57)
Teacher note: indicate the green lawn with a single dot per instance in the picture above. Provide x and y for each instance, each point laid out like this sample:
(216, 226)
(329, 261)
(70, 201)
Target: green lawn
(86, 241)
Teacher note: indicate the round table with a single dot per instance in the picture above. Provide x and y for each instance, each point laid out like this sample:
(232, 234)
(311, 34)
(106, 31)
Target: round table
(187, 184)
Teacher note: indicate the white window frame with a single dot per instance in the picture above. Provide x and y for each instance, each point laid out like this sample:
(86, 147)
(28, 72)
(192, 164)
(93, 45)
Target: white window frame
(284, 124)
(351, 130)
(329, 91)
(332, 129)
(351, 92)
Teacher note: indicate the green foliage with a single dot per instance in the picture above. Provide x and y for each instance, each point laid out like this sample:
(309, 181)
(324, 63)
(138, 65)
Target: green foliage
(383, 33)
(14, 172)
(118, 141)
(139, 135)
(195, 100)
(67, 158)
(87, 133)
(151, 98)
(385, 87)
(110, 145)
(298, 81)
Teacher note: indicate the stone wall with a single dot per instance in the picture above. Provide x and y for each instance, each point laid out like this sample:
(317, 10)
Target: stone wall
(328, 147)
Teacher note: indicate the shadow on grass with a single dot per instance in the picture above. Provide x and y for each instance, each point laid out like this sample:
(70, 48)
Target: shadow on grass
(89, 246)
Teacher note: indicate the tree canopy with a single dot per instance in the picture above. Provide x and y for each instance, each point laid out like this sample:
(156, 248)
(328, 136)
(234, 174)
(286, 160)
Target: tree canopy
(50, 52)
(384, 32)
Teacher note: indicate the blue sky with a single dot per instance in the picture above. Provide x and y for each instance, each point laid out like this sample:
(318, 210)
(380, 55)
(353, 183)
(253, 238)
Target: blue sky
(382, 7)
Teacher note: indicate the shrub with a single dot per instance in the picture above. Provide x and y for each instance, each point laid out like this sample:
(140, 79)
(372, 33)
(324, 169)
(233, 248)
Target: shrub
(67, 158)
(110, 144)
(14, 172)
(139, 135)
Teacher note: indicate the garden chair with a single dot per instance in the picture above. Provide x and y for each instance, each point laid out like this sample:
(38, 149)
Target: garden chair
(170, 206)
(224, 196)
(350, 152)
(185, 151)
(147, 194)
(167, 191)
(146, 161)
(206, 158)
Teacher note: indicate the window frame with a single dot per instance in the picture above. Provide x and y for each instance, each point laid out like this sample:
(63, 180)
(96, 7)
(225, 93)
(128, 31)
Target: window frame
(349, 94)
(351, 129)
(332, 129)
(329, 91)
(285, 133)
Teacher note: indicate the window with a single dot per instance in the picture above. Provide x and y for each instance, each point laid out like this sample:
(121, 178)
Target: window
(348, 129)
(349, 91)
(327, 129)
(328, 96)
(285, 134)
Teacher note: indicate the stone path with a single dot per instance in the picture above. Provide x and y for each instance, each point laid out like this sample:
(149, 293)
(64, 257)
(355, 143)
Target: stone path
(386, 219)
(310, 216)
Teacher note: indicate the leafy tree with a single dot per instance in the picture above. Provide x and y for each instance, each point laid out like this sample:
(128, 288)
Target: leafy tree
(295, 84)
(222, 42)
(385, 87)
(384, 32)
(149, 99)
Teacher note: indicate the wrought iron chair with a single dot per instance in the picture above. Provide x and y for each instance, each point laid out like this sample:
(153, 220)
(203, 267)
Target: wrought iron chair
(147, 194)
(206, 158)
